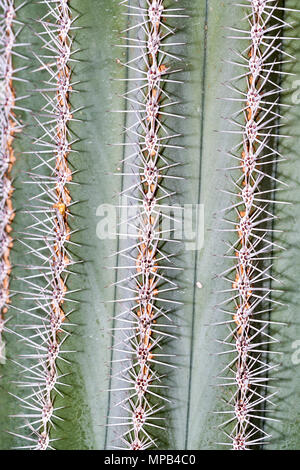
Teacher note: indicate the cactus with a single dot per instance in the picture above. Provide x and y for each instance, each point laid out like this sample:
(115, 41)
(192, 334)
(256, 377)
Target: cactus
(251, 292)
(144, 319)
(10, 126)
(77, 285)
(48, 237)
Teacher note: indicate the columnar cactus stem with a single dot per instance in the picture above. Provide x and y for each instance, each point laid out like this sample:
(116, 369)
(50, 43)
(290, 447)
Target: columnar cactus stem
(9, 126)
(257, 124)
(50, 234)
(149, 138)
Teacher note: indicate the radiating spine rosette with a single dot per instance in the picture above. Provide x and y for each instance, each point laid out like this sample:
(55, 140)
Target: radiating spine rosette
(256, 156)
(48, 237)
(143, 321)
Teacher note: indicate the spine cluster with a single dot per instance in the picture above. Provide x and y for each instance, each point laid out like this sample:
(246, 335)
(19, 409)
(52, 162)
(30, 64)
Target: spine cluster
(49, 236)
(8, 128)
(255, 157)
(143, 319)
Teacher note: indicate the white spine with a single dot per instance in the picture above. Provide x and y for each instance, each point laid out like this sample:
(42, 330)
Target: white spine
(250, 295)
(48, 238)
(8, 127)
(148, 280)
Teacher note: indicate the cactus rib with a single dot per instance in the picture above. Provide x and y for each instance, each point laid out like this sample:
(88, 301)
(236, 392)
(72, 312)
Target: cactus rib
(49, 237)
(9, 127)
(143, 322)
(257, 124)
